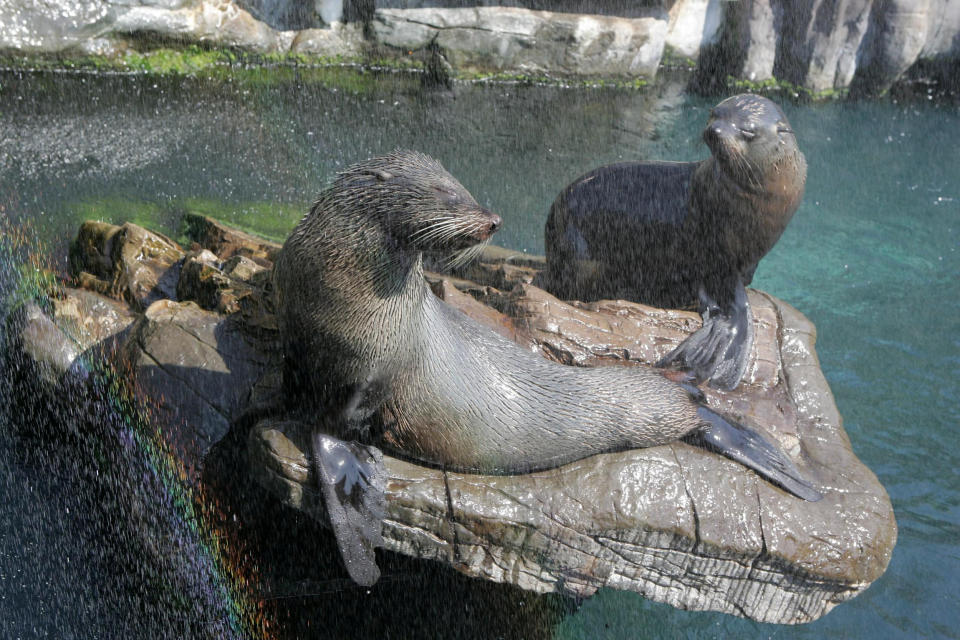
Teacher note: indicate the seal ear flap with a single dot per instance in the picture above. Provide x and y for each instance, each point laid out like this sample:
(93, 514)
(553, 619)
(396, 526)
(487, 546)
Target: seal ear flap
(371, 178)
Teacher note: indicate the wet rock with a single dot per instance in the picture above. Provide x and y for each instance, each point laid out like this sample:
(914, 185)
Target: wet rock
(127, 262)
(77, 327)
(217, 287)
(674, 523)
(90, 320)
(521, 40)
(42, 345)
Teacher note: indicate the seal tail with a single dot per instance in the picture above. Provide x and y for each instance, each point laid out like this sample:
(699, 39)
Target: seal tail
(751, 450)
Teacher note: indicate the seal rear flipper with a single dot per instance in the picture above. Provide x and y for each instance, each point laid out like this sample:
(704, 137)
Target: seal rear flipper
(751, 450)
(352, 478)
(718, 351)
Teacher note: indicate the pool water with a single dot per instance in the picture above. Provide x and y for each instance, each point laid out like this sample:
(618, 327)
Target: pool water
(871, 257)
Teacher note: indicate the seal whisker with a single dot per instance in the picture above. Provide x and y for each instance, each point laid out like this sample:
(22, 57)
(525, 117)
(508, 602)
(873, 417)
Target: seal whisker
(465, 256)
(429, 228)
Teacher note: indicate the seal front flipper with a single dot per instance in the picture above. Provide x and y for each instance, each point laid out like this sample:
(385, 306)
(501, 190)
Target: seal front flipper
(352, 478)
(750, 449)
(718, 351)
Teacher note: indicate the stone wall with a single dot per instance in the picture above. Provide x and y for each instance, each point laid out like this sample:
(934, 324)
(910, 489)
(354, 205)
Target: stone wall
(822, 45)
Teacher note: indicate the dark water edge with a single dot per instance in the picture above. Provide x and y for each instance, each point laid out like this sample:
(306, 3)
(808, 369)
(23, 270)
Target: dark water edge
(871, 257)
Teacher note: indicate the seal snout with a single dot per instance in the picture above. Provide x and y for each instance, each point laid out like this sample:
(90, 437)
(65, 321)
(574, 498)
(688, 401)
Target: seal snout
(719, 132)
(488, 226)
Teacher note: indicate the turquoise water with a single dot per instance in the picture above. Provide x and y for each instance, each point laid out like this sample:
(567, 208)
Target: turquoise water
(871, 257)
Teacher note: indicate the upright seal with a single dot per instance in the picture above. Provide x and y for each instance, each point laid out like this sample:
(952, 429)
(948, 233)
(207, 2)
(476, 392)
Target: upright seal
(370, 353)
(685, 235)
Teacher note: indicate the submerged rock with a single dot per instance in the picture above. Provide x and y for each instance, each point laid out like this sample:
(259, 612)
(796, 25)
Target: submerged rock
(674, 523)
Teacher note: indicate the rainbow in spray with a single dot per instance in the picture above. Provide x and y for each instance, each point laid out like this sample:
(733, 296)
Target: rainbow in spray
(182, 565)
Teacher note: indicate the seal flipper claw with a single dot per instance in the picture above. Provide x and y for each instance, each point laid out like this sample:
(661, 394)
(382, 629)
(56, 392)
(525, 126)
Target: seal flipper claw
(351, 477)
(750, 449)
(718, 351)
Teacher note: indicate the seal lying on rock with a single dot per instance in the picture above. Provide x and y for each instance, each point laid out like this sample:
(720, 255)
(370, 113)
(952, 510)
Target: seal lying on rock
(684, 235)
(370, 351)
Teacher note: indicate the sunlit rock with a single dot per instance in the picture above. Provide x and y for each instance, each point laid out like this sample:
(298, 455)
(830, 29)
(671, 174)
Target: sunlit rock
(127, 262)
(862, 44)
(693, 24)
(220, 22)
(218, 286)
(30, 26)
(674, 523)
(521, 40)
(339, 39)
(227, 242)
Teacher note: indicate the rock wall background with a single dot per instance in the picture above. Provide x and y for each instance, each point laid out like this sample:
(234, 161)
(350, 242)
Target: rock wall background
(822, 45)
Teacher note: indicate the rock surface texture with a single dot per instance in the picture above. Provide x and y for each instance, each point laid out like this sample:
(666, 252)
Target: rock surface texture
(674, 523)
(821, 45)
(536, 42)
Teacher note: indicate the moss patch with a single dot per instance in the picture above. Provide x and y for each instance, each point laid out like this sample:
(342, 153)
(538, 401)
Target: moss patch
(275, 69)
(269, 220)
(784, 89)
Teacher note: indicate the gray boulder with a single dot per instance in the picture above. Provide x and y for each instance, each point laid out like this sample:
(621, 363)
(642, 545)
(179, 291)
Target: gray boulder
(198, 368)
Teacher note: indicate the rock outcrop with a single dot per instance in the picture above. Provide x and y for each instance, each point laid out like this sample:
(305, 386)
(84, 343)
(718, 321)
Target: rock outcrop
(823, 45)
(531, 42)
(674, 523)
(866, 45)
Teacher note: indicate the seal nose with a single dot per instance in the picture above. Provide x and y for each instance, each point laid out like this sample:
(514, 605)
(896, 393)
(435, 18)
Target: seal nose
(712, 134)
(717, 132)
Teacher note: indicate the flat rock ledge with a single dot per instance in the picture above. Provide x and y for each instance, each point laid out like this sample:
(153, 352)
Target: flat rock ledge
(674, 523)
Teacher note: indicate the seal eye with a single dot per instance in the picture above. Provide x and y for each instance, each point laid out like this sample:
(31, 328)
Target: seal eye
(747, 132)
(448, 196)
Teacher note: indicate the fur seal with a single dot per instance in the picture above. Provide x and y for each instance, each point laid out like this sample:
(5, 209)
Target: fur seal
(370, 352)
(685, 234)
